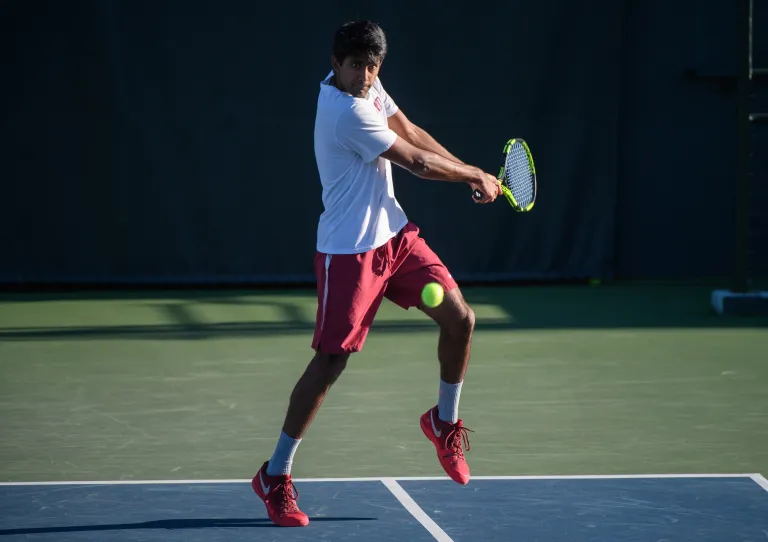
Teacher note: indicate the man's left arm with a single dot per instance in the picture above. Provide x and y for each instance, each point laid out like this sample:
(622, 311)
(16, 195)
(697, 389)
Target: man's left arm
(418, 137)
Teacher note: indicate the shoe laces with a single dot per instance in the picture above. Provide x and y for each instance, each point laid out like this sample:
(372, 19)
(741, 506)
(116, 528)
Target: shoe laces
(457, 436)
(285, 495)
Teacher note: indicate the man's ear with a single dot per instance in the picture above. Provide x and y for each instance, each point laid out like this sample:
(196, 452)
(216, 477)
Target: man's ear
(335, 63)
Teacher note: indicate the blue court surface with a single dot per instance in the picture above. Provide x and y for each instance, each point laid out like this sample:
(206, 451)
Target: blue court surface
(622, 508)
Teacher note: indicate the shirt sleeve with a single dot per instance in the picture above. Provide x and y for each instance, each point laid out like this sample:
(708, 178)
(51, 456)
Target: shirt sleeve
(362, 129)
(390, 107)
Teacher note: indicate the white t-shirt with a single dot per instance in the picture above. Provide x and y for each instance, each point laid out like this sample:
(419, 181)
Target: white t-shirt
(361, 212)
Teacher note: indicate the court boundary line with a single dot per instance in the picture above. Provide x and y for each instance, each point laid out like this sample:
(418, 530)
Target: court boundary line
(756, 477)
(760, 480)
(415, 510)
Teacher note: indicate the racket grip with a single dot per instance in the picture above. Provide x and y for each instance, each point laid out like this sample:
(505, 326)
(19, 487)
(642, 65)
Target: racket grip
(477, 194)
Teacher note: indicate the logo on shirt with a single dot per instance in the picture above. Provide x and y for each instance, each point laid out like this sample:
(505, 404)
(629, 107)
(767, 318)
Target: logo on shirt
(377, 104)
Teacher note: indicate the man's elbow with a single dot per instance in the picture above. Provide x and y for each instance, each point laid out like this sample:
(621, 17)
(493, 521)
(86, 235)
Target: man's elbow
(420, 165)
(409, 157)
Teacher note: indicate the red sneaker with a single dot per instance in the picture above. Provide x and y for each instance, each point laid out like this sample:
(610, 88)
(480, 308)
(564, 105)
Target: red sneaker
(448, 438)
(280, 495)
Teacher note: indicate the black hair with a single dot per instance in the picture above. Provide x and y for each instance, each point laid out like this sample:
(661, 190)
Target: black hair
(364, 38)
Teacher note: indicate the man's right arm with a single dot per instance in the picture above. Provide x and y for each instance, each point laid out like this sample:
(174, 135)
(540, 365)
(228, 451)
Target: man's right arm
(429, 165)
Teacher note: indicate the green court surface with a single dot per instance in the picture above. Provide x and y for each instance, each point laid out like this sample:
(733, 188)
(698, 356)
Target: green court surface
(563, 380)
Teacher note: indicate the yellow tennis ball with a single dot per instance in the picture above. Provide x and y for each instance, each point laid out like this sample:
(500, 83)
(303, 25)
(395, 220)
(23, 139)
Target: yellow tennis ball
(432, 294)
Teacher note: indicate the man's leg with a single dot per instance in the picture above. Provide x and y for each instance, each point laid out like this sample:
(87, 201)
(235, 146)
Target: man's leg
(441, 424)
(273, 481)
(457, 323)
(350, 290)
(418, 265)
(305, 401)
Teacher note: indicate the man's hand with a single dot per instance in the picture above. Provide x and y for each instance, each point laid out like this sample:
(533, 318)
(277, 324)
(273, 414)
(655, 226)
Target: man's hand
(489, 187)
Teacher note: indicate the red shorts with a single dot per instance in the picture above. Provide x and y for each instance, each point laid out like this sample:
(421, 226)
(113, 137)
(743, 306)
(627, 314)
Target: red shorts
(350, 287)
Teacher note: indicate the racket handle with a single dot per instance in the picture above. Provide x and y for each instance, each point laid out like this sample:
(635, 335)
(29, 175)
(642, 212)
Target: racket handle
(479, 195)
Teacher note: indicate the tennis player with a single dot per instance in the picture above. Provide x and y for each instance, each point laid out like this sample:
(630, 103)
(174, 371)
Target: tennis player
(367, 249)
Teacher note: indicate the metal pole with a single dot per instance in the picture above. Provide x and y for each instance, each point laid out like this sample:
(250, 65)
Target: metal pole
(741, 275)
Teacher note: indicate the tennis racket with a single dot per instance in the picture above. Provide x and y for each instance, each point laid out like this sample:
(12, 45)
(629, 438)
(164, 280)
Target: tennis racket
(517, 176)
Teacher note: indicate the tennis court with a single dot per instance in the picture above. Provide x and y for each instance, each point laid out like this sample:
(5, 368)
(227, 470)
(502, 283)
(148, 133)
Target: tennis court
(626, 412)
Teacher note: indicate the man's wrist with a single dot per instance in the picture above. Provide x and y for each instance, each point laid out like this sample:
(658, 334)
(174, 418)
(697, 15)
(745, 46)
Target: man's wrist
(477, 175)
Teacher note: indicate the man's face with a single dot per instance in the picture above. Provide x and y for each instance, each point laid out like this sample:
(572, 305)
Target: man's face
(356, 74)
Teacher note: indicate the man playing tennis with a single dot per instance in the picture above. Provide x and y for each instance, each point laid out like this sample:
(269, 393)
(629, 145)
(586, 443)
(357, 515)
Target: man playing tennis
(367, 250)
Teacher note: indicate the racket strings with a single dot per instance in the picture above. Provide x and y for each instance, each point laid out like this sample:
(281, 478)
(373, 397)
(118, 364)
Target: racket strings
(518, 175)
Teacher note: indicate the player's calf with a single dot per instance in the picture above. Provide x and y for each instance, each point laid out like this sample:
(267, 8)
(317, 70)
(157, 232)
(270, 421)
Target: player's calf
(310, 390)
(457, 324)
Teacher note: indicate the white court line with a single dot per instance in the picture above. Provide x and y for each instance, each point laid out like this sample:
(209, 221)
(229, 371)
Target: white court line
(401, 478)
(565, 477)
(415, 510)
(760, 480)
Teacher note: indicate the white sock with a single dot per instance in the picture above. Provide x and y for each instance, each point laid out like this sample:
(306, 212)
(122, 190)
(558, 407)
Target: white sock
(448, 402)
(282, 458)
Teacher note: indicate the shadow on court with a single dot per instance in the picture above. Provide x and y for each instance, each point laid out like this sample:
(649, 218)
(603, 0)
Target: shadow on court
(169, 524)
(291, 312)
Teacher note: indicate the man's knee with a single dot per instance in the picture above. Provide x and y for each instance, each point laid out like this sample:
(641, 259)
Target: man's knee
(328, 367)
(462, 324)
